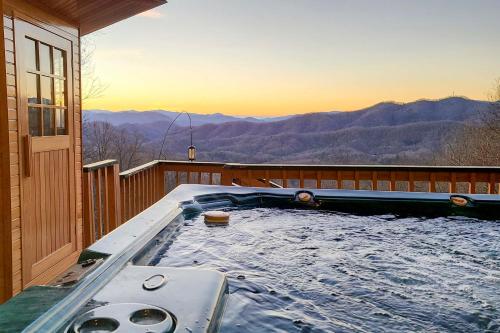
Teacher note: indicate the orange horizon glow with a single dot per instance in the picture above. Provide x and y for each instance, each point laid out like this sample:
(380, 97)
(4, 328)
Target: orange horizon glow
(259, 107)
(215, 57)
(249, 112)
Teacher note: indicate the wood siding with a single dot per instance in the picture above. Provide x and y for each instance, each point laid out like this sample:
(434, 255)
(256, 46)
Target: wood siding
(13, 142)
(11, 273)
(5, 220)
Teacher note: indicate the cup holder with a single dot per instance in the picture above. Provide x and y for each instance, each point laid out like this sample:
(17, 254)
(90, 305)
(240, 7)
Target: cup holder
(98, 325)
(148, 317)
(124, 317)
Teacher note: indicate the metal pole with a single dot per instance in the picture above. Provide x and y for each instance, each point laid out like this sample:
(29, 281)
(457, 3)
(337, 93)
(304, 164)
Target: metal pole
(168, 129)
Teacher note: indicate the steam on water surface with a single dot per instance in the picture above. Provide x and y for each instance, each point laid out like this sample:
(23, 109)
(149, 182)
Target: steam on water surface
(319, 271)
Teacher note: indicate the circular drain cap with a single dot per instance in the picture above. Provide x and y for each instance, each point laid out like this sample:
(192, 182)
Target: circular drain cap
(124, 317)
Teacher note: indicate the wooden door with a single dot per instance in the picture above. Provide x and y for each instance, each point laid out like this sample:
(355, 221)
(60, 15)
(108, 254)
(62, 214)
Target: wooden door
(45, 90)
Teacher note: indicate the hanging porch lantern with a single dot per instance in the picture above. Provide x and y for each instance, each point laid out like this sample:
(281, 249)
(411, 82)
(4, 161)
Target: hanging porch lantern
(191, 153)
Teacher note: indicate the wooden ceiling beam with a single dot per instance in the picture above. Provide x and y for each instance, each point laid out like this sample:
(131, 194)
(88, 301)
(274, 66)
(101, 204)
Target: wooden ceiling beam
(92, 15)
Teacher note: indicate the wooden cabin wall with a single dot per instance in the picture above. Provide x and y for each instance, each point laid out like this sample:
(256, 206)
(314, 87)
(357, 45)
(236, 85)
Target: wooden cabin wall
(4, 174)
(15, 200)
(11, 239)
(10, 157)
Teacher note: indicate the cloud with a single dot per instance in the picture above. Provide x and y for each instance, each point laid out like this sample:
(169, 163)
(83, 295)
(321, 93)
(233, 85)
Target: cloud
(152, 13)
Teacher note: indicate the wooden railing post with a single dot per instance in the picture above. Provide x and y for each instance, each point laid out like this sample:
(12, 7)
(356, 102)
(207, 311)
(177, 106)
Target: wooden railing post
(491, 184)
(472, 183)
(88, 209)
(374, 181)
(411, 182)
(160, 172)
(113, 189)
(432, 182)
(318, 179)
(356, 180)
(226, 177)
(392, 184)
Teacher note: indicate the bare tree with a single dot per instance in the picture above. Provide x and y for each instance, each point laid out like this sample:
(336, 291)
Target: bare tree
(476, 143)
(98, 138)
(102, 141)
(129, 148)
(491, 118)
(92, 86)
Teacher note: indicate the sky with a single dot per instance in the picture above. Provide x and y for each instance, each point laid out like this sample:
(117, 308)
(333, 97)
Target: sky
(278, 57)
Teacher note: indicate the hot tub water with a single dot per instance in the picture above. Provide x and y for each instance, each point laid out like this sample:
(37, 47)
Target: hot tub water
(319, 271)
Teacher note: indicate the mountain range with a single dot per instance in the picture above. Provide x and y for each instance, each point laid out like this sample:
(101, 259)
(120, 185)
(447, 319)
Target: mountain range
(384, 133)
(118, 118)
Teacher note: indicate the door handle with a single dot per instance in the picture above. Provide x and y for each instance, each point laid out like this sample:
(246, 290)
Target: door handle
(28, 152)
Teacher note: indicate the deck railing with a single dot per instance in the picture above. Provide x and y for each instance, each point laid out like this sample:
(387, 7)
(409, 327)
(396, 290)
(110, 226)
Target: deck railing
(140, 188)
(367, 177)
(143, 186)
(101, 205)
(112, 198)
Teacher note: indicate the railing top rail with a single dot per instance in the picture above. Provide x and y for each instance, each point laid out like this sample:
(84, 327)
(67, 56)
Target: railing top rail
(365, 167)
(140, 168)
(240, 166)
(99, 165)
(192, 163)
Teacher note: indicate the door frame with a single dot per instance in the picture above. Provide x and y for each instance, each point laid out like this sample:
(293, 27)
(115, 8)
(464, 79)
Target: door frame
(25, 26)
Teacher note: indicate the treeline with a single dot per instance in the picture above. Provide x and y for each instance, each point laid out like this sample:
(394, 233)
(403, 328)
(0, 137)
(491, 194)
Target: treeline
(475, 143)
(102, 141)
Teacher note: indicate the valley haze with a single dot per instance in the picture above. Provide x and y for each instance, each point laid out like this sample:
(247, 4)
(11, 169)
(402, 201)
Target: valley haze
(387, 132)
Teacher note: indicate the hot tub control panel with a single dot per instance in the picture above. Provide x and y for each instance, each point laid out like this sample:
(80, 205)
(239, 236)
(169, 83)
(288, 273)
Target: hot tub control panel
(155, 299)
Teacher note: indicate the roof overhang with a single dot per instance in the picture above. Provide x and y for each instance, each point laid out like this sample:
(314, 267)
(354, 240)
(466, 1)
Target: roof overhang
(92, 15)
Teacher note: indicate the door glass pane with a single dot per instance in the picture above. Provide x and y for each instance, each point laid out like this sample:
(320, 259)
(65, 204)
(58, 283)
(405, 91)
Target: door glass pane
(47, 93)
(61, 122)
(59, 92)
(32, 85)
(58, 62)
(48, 122)
(31, 54)
(45, 58)
(34, 121)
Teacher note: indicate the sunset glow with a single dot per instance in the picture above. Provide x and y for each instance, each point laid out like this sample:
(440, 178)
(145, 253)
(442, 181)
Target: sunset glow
(271, 57)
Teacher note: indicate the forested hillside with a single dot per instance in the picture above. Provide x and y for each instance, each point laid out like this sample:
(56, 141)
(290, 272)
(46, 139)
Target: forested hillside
(384, 133)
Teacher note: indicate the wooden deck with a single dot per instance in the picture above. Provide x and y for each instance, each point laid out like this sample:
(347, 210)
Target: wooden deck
(112, 198)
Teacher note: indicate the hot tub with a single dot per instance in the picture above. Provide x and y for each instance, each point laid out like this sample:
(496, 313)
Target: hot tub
(289, 261)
